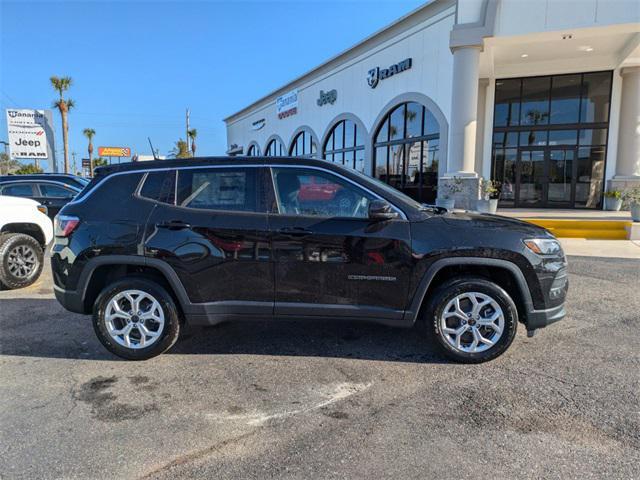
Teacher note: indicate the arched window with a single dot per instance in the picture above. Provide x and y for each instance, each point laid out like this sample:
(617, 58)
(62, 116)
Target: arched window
(303, 145)
(274, 148)
(254, 150)
(405, 153)
(345, 145)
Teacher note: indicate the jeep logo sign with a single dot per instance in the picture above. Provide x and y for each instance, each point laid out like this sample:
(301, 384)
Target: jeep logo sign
(376, 74)
(329, 97)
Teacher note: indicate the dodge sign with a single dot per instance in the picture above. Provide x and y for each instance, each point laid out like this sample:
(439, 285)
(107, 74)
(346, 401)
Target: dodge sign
(27, 137)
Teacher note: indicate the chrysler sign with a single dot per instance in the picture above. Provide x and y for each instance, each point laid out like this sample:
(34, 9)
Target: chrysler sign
(376, 74)
(287, 104)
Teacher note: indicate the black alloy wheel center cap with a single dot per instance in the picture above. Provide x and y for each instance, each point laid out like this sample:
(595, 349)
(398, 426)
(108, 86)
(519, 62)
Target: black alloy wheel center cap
(135, 318)
(472, 322)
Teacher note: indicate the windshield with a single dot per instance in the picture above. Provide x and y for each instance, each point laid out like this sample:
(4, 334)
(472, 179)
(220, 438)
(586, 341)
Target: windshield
(389, 189)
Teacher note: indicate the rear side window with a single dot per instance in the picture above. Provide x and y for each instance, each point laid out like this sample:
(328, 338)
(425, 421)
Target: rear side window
(160, 186)
(18, 190)
(55, 191)
(233, 189)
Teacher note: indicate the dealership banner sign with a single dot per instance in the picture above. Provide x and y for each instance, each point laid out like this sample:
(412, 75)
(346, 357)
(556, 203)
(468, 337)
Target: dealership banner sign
(27, 135)
(114, 151)
(287, 104)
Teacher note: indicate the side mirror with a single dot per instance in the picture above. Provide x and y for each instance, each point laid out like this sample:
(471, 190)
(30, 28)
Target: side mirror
(381, 210)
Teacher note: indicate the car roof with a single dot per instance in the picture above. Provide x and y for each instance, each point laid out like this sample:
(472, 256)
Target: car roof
(205, 161)
(17, 179)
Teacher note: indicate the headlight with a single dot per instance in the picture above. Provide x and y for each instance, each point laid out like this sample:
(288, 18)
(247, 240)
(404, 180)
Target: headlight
(543, 246)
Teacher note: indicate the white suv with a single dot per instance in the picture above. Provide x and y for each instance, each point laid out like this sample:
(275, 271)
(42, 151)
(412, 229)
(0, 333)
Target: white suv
(25, 231)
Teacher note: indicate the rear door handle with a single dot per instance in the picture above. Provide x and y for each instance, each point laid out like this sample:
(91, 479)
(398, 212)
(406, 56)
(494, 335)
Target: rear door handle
(173, 225)
(295, 231)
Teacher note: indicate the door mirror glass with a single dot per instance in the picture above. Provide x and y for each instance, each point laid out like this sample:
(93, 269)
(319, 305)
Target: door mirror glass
(381, 210)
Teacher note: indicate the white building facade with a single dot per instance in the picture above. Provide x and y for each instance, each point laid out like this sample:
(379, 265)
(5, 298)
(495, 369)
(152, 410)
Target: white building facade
(540, 96)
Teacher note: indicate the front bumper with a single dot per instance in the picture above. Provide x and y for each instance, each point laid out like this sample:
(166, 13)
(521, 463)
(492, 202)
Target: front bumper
(541, 318)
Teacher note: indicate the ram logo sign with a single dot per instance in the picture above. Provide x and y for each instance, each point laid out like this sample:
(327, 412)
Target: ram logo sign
(376, 74)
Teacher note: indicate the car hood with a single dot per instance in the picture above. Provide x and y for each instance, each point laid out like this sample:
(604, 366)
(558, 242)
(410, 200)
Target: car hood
(8, 201)
(498, 222)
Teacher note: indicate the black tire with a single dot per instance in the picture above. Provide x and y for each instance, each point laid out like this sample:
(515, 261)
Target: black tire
(27, 272)
(451, 289)
(169, 334)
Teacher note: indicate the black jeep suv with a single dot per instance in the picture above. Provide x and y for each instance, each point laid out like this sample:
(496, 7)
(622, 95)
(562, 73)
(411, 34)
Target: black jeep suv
(146, 247)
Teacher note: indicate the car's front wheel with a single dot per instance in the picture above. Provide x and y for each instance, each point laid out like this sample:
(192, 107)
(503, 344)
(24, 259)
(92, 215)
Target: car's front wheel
(136, 319)
(20, 260)
(472, 319)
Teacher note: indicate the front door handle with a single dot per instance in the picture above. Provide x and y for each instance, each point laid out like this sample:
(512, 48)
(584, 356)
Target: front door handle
(173, 225)
(295, 231)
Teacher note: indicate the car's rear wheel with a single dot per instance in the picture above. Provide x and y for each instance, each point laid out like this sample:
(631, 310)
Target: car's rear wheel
(21, 260)
(136, 319)
(472, 320)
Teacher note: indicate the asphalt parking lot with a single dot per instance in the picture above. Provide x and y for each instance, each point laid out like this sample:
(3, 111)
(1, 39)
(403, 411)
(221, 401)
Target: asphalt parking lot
(336, 400)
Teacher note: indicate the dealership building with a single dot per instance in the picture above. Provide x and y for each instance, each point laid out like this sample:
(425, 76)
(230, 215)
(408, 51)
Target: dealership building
(541, 96)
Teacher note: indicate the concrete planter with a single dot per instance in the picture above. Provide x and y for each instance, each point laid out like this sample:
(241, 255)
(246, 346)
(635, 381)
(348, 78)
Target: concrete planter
(635, 211)
(447, 203)
(612, 204)
(487, 206)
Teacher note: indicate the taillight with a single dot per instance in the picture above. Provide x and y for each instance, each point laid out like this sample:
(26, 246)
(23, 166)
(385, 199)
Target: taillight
(65, 224)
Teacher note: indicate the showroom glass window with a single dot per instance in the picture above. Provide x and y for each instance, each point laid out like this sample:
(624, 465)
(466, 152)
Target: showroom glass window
(304, 145)
(274, 148)
(406, 150)
(345, 145)
(254, 151)
(550, 139)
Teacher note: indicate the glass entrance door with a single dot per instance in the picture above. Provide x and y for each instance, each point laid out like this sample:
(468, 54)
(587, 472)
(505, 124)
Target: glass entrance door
(546, 177)
(560, 188)
(530, 178)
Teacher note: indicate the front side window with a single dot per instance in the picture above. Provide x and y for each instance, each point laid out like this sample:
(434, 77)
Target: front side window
(310, 192)
(226, 189)
(55, 191)
(18, 190)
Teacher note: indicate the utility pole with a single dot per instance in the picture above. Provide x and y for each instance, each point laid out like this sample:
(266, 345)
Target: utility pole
(75, 168)
(187, 136)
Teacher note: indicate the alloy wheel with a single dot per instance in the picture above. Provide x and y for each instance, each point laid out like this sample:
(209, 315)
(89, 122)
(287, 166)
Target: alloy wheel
(134, 319)
(472, 322)
(22, 261)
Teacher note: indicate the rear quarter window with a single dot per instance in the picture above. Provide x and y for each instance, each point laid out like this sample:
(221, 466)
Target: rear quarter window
(160, 187)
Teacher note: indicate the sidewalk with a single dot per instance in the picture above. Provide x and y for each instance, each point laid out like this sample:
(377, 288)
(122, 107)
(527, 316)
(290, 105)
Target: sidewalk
(601, 248)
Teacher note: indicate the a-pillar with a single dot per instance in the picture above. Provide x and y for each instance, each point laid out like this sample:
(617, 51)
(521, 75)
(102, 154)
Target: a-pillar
(461, 174)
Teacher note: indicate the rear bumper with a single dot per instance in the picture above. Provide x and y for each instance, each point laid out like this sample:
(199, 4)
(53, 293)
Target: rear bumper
(541, 318)
(69, 299)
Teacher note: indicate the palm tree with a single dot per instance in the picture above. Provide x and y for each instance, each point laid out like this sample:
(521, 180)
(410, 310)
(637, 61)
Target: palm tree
(89, 133)
(180, 150)
(193, 133)
(61, 85)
